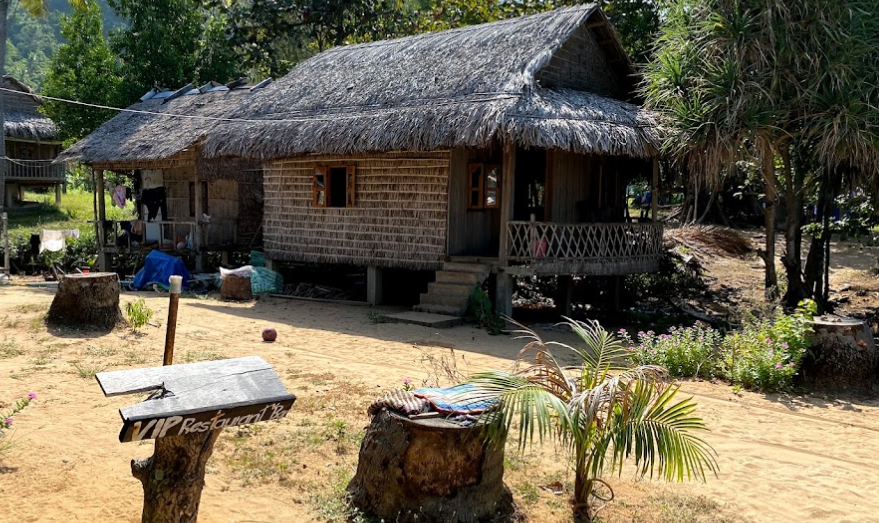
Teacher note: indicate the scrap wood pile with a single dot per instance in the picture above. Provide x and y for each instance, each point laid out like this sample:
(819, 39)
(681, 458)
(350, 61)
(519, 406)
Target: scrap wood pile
(312, 290)
(708, 240)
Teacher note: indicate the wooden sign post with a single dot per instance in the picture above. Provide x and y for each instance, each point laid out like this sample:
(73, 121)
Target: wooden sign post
(189, 406)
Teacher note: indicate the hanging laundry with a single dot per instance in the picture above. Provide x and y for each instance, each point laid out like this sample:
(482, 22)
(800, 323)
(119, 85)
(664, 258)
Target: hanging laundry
(54, 241)
(119, 194)
(155, 201)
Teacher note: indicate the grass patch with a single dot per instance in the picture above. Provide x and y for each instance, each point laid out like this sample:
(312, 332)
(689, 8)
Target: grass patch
(9, 349)
(100, 352)
(86, 370)
(530, 494)
(37, 324)
(10, 323)
(30, 308)
(192, 356)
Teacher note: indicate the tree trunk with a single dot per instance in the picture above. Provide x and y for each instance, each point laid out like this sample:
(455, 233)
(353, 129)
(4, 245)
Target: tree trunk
(86, 301)
(429, 471)
(173, 477)
(771, 281)
(4, 13)
(843, 356)
(792, 259)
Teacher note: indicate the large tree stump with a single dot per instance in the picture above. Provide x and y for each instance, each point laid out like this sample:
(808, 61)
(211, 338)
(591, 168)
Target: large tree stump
(86, 301)
(429, 471)
(843, 355)
(173, 477)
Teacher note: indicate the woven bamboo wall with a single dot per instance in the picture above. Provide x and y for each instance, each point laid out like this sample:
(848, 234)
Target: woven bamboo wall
(399, 219)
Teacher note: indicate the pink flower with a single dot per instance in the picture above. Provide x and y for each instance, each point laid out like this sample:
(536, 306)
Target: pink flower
(8, 421)
(779, 365)
(622, 331)
(768, 340)
(32, 396)
(407, 381)
(785, 345)
(791, 364)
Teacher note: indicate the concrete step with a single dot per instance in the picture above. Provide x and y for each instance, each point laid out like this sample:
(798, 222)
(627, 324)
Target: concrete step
(467, 278)
(475, 268)
(440, 309)
(438, 299)
(451, 289)
(426, 319)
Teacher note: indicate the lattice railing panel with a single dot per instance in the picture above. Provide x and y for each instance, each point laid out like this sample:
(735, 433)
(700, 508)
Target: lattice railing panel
(536, 241)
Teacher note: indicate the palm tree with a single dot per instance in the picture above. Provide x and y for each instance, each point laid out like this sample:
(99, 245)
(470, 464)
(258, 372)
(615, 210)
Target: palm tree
(34, 8)
(602, 409)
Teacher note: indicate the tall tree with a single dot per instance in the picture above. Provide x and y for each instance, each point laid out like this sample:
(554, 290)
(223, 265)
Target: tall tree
(34, 8)
(772, 80)
(82, 69)
(167, 43)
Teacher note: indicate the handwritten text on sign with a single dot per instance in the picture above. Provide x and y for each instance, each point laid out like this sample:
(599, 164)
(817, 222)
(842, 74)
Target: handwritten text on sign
(203, 421)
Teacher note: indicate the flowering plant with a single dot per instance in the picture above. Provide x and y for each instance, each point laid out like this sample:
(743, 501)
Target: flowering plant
(684, 351)
(7, 420)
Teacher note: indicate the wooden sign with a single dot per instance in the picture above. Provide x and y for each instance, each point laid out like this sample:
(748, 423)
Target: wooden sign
(197, 397)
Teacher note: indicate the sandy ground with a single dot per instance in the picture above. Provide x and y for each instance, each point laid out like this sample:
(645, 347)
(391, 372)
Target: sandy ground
(782, 458)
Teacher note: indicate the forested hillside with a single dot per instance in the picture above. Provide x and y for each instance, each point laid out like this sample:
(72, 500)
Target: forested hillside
(33, 40)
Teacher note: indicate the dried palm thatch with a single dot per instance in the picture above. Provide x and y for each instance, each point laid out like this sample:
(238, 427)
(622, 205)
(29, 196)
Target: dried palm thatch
(549, 80)
(130, 138)
(710, 240)
(22, 116)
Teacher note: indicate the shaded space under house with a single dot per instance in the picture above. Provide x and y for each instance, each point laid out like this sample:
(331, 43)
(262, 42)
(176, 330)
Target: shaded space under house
(184, 202)
(31, 144)
(480, 153)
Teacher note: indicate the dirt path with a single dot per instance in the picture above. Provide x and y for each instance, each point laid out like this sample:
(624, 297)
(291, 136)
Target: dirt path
(782, 459)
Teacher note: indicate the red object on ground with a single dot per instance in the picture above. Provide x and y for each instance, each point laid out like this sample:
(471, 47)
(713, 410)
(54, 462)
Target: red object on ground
(269, 334)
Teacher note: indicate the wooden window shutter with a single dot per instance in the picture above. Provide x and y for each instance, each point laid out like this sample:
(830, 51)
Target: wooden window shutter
(350, 183)
(475, 185)
(320, 187)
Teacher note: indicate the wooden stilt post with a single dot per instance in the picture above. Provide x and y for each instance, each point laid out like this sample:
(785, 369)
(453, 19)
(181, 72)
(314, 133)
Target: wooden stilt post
(58, 195)
(6, 268)
(565, 295)
(654, 199)
(503, 300)
(374, 285)
(103, 257)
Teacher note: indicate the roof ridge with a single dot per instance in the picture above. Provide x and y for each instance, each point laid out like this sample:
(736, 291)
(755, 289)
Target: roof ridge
(466, 28)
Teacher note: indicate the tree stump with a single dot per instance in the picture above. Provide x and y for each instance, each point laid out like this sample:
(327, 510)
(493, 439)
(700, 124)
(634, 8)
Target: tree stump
(843, 355)
(173, 477)
(429, 471)
(86, 301)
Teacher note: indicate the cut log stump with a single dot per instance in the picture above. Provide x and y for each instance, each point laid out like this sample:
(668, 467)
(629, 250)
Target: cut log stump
(173, 477)
(86, 301)
(429, 471)
(843, 355)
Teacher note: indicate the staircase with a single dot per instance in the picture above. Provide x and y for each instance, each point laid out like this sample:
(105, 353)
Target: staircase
(450, 293)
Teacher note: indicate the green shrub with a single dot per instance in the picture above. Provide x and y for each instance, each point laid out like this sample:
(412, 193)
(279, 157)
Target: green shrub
(139, 313)
(684, 351)
(480, 306)
(763, 355)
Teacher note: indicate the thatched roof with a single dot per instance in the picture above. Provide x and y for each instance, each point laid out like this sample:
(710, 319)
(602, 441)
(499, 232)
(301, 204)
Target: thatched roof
(556, 79)
(22, 118)
(131, 137)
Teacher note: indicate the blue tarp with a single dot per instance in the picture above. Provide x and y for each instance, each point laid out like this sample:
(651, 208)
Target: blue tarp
(158, 268)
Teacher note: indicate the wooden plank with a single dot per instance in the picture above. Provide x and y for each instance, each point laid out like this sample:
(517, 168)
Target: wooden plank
(198, 397)
(508, 173)
(179, 425)
(115, 383)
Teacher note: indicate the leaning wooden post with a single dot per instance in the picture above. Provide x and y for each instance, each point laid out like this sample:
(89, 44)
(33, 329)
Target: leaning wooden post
(654, 198)
(171, 332)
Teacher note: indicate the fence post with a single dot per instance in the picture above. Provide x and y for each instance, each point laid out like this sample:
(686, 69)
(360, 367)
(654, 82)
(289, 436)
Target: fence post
(6, 268)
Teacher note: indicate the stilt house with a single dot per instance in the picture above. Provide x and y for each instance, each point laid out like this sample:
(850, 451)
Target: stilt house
(31, 143)
(501, 148)
(183, 201)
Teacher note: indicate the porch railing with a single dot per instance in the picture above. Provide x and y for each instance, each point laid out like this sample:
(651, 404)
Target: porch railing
(585, 248)
(34, 170)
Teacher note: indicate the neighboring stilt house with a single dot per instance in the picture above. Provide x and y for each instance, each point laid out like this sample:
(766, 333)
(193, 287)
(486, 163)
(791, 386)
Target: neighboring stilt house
(31, 144)
(184, 202)
(503, 148)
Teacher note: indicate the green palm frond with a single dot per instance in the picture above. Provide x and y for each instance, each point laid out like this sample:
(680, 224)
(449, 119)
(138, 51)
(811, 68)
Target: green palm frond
(659, 432)
(538, 411)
